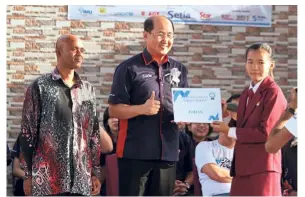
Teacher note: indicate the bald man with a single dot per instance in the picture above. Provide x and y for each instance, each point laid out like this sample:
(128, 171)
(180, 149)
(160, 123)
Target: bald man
(60, 135)
(148, 140)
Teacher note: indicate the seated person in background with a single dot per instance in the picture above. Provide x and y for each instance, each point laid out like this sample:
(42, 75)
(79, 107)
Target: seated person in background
(213, 160)
(200, 132)
(234, 99)
(184, 167)
(290, 168)
(111, 126)
(225, 114)
(231, 107)
(17, 170)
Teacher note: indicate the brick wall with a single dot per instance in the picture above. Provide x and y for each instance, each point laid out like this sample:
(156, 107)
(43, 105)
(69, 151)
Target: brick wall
(214, 55)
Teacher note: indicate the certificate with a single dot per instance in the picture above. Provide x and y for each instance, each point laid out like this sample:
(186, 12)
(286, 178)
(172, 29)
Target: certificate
(198, 105)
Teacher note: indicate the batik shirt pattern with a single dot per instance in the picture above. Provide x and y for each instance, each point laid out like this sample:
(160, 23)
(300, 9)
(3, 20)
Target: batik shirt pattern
(59, 152)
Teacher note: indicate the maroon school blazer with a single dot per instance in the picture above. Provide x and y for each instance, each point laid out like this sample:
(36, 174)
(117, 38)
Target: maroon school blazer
(254, 124)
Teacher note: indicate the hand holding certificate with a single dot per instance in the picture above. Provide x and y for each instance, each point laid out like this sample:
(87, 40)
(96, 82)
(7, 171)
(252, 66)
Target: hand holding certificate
(197, 105)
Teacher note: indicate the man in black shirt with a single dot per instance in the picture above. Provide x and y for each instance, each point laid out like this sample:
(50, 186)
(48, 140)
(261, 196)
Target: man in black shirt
(141, 99)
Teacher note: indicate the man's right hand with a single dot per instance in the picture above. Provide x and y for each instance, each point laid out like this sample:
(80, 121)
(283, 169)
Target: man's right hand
(151, 106)
(27, 186)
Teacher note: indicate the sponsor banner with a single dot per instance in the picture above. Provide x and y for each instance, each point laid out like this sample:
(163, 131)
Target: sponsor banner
(232, 15)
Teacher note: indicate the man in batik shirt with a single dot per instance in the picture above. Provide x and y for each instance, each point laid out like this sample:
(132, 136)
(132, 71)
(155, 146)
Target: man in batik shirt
(60, 138)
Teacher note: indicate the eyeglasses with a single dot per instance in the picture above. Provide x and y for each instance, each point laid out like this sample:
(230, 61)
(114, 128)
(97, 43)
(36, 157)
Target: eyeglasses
(161, 35)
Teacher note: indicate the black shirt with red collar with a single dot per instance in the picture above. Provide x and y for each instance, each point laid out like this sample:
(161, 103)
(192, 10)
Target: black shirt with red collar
(147, 137)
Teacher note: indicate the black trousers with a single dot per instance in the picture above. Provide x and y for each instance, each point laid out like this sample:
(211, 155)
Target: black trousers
(18, 190)
(148, 178)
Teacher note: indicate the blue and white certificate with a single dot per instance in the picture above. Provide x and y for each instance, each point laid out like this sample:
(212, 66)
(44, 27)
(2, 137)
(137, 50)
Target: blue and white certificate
(198, 105)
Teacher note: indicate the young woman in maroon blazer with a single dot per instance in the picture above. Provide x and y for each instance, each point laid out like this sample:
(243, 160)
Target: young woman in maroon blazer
(256, 172)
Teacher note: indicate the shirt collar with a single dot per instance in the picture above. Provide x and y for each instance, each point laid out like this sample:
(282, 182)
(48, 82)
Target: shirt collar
(56, 76)
(148, 59)
(256, 86)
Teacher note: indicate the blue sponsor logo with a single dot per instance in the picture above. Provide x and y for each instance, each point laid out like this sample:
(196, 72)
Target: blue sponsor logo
(180, 15)
(84, 11)
(214, 117)
(258, 18)
(184, 94)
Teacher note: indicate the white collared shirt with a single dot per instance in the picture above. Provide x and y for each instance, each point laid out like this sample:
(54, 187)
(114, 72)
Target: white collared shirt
(254, 88)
